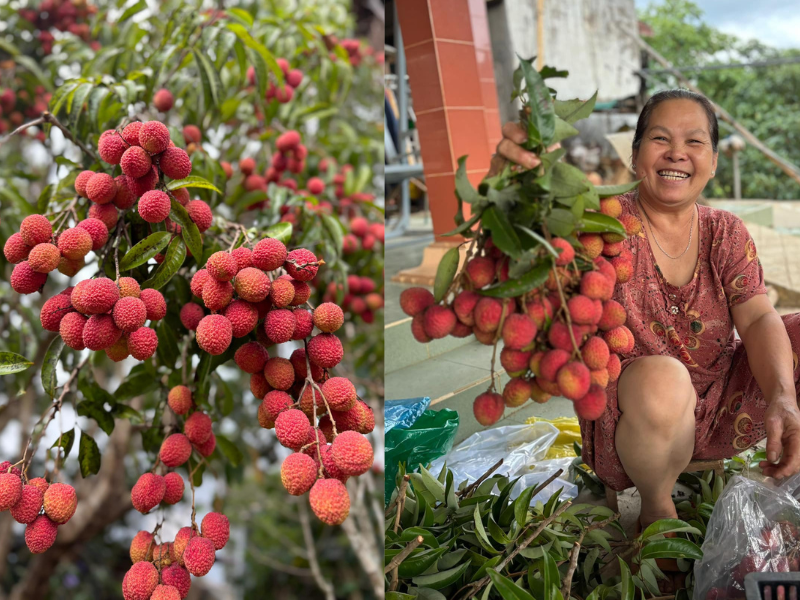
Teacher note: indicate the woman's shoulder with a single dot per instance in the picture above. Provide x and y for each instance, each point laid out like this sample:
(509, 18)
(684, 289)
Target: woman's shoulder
(721, 221)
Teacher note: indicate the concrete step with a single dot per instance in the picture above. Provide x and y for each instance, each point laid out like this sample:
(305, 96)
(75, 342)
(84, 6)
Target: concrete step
(402, 350)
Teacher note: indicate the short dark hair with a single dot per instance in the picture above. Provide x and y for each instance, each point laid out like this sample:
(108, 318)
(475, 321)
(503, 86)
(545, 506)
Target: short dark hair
(676, 94)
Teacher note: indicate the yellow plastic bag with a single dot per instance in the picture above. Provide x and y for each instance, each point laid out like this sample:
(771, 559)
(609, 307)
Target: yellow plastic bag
(569, 432)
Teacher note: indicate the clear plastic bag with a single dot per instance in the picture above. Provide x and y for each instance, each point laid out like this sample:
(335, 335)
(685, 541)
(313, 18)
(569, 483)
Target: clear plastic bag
(523, 449)
(754, 527)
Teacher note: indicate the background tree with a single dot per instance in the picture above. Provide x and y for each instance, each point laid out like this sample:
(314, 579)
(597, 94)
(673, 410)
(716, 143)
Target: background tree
(226, 75)
(763, 99)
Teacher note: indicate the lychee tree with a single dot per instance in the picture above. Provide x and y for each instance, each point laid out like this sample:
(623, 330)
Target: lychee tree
(179, 280)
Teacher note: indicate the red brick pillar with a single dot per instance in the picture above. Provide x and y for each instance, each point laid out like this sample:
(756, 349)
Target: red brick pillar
(451, 75)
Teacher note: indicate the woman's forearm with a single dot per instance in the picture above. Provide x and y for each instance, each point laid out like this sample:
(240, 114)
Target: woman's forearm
(769, 353)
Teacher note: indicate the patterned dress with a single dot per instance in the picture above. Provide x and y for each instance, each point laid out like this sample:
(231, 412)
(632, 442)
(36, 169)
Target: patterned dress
(693, 324)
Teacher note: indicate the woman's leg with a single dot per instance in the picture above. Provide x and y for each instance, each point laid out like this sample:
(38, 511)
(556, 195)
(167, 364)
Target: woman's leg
(655, 434)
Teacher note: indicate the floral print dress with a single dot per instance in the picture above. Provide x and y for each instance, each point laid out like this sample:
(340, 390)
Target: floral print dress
(693, 324)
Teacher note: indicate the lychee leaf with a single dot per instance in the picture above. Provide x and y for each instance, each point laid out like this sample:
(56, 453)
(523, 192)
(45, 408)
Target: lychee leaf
(132, 10)
(260, 67)
(65, 441)
(11, 362)
(334, 229)
(663, 526)
(503, 234)
(212, 86)
(193, 181)
(137, 383)
(49, 364)
(606, 191)
(541, 121)
(250, 42)
(507, 588)
(671, 548)
(229, 450)
(464, 189)
(560, 222)
(568, 181)
(96, 411)
(593, 222)
(445, 273)
(75, 103)
(438, 581)
(532, 280)
(280, 231)
(145, 250)
(575, 110)
(563, 130)
(88, 455)
(176, 253)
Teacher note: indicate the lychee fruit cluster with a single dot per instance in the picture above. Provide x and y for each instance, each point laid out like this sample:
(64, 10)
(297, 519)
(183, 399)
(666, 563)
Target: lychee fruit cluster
(162, 571)
(292, 78)
(363, 235)
(362, 298)
(16, 103)
(63, 15)
(564, 338)
(39, 505)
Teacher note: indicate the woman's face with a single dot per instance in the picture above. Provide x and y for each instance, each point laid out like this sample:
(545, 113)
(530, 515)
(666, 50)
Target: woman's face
(675, 158)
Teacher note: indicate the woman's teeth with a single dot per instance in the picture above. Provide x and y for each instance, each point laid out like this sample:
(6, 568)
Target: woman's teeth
(673, 175)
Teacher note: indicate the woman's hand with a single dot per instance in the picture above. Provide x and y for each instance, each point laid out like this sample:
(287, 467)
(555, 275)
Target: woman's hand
(782, 420)
(510, 150)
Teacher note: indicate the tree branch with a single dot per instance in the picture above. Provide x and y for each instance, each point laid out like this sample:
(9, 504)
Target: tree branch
(322, 583)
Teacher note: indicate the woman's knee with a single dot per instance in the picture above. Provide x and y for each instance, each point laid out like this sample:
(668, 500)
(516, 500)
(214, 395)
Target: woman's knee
(656, 390)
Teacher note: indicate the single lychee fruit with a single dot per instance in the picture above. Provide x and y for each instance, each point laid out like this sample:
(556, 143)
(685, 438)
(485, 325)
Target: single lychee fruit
(605, 268)
(97, 230)
(481, 271)
(214, 334)
(518, 331)
(192, 134)
(142, 547)
(516, 392)
(619, 340)
(154, 206)
(565, 250)
(279, 373)
(251, 357)
(613, 315)
(595, 353)
(573, 380)
(15, 249)
(559, 336)
(281, 293)
(165, 592)
(259, 386)
(175, 163)
(74, 243)
(515, 362)
(596, 286)
(611, 207)
(71, 330)
(180, 399)
(81, 180)
(10, 490)
(352, 453)
(142, 343)
(215, 527)
(418, 329)
(100, 332)
(60, 502)
(35, 229)
(199, 556)
(197, 427)
(217, 294)
(292, 428)
(181, 540)
(599, 377)
(329, 501)
(623, 267)
(243, 317)
(101, 188)
(110, 147)
(136, 162)
(174, 488)
(199, 279)
(274, 403)
(140, 581)
(107, 213)
(40, 535)
(464, 306)
(325, 350)
(154, 137)
(191, 314)
(279, 325)
(438, 321)
(222, 266)
(269, 254)
(298, 473)
(54, 310)
(592, 244)
(200, 213)
(301, 264)
(177, 576)
(488, 312)
(328, 317)
(592, 404)
(582, 310)
(163, 100)
(539, 395)
(551, 363)
(129, 314)
(175, 450)
(614, 367)
(415, 300)
(251, 284)
(340, 393)
(44, 258)
(488, 408)
(304, 324)
(131, 133)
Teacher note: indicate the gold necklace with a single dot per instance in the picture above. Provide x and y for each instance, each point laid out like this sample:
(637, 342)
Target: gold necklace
(650, 226)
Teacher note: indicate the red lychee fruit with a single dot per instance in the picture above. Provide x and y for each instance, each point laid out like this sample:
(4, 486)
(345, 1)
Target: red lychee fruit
(138, 186)
(613, 315)
(620, 340)
(175, 450)
(124, 198)
(148, 492)
(418, 329)
(559, 336)
(199, 556)
(623, 267)
(40, 535)
(292, 427)
(154, 206)
(100, 332)
(44, 258)
(191, 314)
(10, 490)
(552, 361)
(217, 294)
(516, 392)
(298, 473)
(243, 317)
(129, 314)
(488, 407)
(269, 254)
(107, 213)
(101, 188)
(352, 453)
(82, 179)
(592, 404)
(142, 547)
(592, 244)
(251, 357)
(163, 100)
(192, 134)
(197, 427)
(136, 162)
(15, 249)
(215, 527)
(54, 310)
(154, 304)
(328, 317)
(518, 331)
(595, 353)
(301, 264)
(325, 350)
(279, 325)
(279, 373)
(582, 310)
(573, 380)
(131, 133)
(251, 284)
(222, 266)
(200, 213)
(71, 330)
(214, 334)
(566, 253)
(439, 321)
(611, 207)
(154, 137)
(35, 229)
(179, 399)
(175, 163)
(415, 300)
(206, 448)
(596, 286)
(481, 271)
(464, 306)
(165, 592)
(97, 230)
(340, 393)
(329, 501)
(173, 488)
(74, 243)
(515, 362)
(142, 343)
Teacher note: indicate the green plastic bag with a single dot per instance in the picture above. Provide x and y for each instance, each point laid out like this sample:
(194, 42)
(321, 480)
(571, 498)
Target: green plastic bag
(430, 437)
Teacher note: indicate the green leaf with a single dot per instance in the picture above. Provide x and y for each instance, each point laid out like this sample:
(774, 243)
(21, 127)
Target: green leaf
(334, 229)
(176, 253)
(135, 384)
(663, 526)
(65, 441)
(440, 580)
(628, 589)
(539, 239)
(75, 103)
(31, 65)
(399, 596)
(464, 188)
(507, 588)
(98, 413)
(11, 362)
(593, 222)
(132, 10)
(189, 231)
(433, 485)
(250, 42)
(240, 15)
(503, 234)
(671, 548)
(445, 273)
(522, 505)
(417, 562)
(13, 197)
(466, 225)
(88, 455)
(229, 450)
(49, 365)
(262, 77)
(606, 191)
(280, 231)
(568, 181)
(560, 222)
(193, 181)
(575, 110)
(563, 130)
(145, 250)
(212, 86)
(532, 280)
(541, 121)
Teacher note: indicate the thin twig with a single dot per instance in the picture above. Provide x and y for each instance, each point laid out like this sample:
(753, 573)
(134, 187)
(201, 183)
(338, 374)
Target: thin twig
(401, 501)
(21, 128)
(50, 118)
(322, 583)
(403, 554)
(469, 489)
(576, 550)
